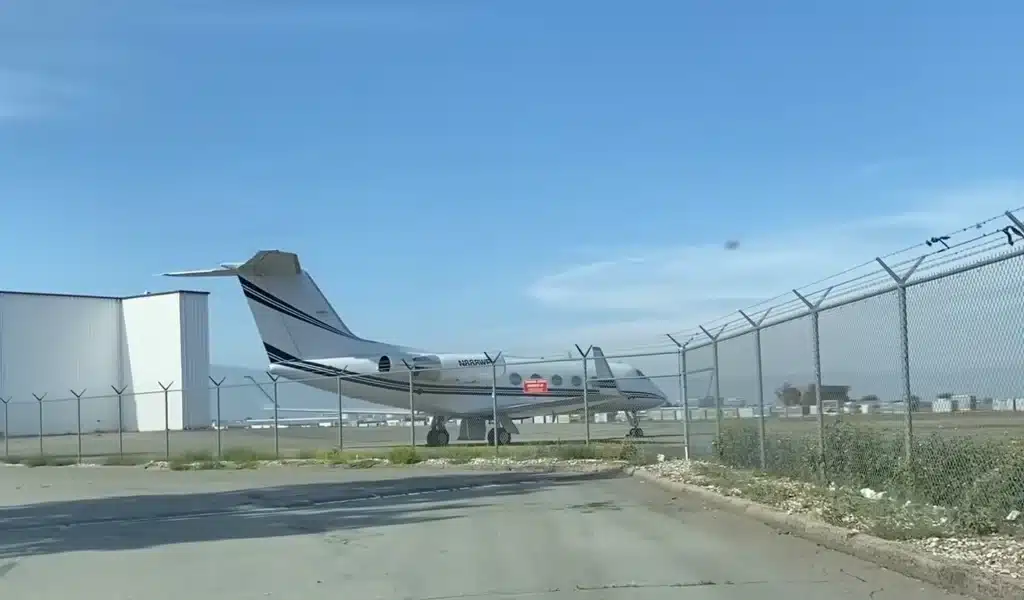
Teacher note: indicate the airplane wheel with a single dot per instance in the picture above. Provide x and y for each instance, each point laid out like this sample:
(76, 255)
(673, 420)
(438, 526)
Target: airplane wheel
(442, 438)
(638, 432)
(504, 437)
(432, 438)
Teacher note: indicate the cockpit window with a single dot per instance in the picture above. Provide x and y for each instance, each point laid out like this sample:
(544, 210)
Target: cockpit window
(640, 373)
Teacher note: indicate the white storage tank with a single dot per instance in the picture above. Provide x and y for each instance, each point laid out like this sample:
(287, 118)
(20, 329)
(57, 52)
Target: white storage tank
(965, 402)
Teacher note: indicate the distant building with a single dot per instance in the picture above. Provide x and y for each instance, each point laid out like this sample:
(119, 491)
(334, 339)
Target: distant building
(836, 395)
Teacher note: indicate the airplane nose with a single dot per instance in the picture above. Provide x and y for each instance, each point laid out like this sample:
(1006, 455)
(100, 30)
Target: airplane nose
(657, 390)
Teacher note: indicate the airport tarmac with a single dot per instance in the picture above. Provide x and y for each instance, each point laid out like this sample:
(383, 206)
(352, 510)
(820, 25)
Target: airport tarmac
(663, 437)
(384, 533)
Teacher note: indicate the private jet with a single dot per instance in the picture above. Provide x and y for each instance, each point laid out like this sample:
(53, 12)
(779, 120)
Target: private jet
(306, 341)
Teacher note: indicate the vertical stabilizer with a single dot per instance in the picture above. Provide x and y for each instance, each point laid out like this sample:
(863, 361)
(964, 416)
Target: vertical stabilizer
(291, 313)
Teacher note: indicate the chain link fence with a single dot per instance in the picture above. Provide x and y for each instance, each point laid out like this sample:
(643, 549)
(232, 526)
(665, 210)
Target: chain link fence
(908, 378)
(915, 388)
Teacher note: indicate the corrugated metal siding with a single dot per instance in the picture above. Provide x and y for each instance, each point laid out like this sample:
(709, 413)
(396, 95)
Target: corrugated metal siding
(195, 359)
(50, 345)
(152, 355)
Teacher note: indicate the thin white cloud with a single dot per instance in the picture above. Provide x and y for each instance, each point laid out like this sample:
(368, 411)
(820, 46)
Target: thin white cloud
(290, 18)
(677, 288)
(880, 168)
(27, 95)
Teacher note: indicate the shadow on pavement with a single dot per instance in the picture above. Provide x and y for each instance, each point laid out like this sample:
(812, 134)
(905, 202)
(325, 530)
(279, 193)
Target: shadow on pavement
(146, 521)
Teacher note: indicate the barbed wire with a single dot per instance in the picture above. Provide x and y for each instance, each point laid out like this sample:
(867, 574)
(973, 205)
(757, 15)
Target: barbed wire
(937, 254)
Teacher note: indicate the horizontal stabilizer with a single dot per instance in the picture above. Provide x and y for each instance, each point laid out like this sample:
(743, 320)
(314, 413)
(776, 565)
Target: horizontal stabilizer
(265, 263)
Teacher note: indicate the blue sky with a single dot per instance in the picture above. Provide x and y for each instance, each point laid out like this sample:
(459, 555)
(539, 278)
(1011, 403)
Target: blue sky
(498, 175)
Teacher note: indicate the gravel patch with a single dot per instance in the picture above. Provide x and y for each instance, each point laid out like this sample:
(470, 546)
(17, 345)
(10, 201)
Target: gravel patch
(999, 554)
(928, 528)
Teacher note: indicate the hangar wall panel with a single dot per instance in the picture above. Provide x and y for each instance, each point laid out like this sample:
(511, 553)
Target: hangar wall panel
(195, 359)
(152, 355)
(50, 345)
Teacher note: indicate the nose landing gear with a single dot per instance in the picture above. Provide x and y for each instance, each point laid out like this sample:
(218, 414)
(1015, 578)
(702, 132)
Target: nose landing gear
(635, 431)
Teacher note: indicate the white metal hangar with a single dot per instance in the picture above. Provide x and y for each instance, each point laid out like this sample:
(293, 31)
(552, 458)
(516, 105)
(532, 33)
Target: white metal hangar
(54, 346)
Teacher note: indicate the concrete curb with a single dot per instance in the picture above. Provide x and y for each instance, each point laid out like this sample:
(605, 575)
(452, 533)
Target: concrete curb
(951, 576)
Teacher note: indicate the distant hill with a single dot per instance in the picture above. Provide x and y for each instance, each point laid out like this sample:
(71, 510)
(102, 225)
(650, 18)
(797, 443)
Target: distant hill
(241, 398)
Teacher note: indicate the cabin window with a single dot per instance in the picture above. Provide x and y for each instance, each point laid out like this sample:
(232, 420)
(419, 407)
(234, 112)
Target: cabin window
(556, 380)
(515, 379)
(577, 380)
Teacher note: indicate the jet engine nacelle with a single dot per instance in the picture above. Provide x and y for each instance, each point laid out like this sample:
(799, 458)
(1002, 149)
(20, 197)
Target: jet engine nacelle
(443, 367)
(400, 364)
(393, 363)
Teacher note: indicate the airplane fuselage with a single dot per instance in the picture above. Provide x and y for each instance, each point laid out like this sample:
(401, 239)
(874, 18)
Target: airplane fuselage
(466, 390)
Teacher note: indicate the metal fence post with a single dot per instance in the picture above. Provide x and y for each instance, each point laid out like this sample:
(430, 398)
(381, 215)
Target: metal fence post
(684, 402)
(715, 374)
(901, 295)
(341, 435)
(412, 406)
(120, 419)
(760, 383)
(39, 400)
(494, 394)
(277, 435)
(7, 428)
(586, 385)
(167, 418)
(815, 309)
(217, 385)
(78, 400)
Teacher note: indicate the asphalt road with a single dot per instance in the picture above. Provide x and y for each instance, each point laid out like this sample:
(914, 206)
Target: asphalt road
(317, 533)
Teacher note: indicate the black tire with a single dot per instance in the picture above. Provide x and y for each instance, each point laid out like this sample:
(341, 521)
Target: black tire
(504, 437)
(432, 437)
(442, 437)
(638, 432)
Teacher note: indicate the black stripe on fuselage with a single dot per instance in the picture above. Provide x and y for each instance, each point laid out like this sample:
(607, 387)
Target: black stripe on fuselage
(278, 356)
(265, 298)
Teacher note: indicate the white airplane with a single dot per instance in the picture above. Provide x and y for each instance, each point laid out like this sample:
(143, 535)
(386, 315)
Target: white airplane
(306, 341)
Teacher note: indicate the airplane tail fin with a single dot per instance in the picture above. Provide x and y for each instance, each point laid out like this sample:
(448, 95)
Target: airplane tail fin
(292, 315)
(606, 379)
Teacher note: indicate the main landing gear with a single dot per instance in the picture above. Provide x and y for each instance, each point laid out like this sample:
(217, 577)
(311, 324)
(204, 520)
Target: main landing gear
(438, 433)
(635, 431)
(504, 437)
